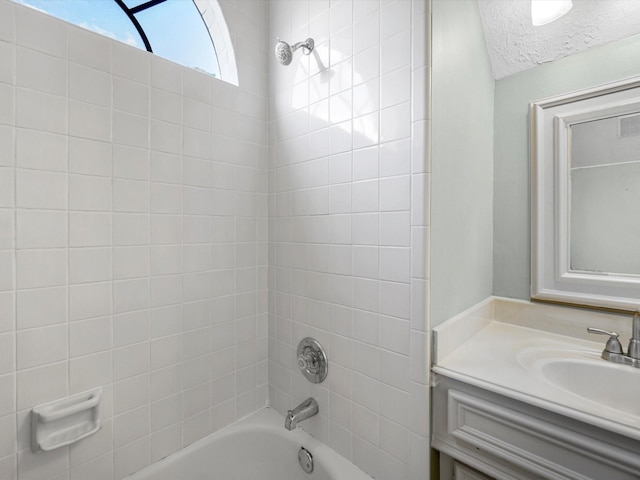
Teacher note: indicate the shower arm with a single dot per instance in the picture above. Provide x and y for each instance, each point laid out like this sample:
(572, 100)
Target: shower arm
(307, 46)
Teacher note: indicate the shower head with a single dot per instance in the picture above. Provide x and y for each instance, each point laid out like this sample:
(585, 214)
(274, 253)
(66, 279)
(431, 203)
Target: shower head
(284, 51)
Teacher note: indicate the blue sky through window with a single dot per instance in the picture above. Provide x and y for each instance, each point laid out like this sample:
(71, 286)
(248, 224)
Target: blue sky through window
(176, 31)
(101, 16)
(175, 28)
(133, 3)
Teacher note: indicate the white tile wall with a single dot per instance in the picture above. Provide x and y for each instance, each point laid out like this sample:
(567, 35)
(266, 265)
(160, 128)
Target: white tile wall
(349, 227)
(133, 230)
(118, 267)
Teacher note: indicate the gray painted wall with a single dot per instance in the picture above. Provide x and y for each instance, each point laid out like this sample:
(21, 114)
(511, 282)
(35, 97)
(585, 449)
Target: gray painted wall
(512, 219)
(462, 161)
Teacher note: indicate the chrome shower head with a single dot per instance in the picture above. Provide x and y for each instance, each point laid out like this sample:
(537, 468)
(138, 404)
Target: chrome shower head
(284, 52)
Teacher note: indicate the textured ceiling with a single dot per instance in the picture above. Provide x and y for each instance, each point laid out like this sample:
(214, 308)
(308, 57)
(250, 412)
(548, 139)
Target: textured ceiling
(515, 45)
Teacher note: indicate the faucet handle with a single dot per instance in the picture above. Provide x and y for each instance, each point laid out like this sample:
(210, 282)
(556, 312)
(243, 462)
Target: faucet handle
(634, 342)
(307, 360)
(613, 344)
(312, 360)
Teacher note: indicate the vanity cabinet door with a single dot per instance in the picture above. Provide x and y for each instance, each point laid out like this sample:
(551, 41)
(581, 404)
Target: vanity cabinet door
(462, 472)
(507, 439)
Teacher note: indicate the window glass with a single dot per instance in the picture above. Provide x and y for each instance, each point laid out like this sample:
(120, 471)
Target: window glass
(177, 31)
(100, 16)
(174, 28)
(134, 3)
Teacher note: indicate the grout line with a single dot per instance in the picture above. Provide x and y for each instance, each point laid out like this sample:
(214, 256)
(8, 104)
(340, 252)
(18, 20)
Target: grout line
(15, 240)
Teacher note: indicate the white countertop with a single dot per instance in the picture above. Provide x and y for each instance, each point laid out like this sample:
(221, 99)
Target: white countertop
(502, 358)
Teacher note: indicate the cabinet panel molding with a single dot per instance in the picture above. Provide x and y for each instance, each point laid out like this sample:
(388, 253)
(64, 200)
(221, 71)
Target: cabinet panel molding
(508, 439)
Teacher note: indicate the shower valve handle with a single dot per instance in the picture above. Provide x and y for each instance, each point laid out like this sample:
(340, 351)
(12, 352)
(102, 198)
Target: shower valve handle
(308, 360)
(312, 360)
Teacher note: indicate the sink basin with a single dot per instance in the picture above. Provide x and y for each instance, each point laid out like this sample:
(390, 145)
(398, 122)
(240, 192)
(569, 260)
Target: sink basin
(585, 374)
(613, 386)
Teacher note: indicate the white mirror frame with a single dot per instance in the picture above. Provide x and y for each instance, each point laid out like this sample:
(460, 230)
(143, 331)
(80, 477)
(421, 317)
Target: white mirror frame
(551, 277)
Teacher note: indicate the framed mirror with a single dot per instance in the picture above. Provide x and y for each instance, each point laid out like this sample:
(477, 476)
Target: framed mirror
(585, 151)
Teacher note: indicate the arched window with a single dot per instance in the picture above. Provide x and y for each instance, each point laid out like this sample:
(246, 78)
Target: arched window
(182, 31)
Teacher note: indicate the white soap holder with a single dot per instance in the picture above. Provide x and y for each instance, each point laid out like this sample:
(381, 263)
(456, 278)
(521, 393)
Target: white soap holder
(65, 421)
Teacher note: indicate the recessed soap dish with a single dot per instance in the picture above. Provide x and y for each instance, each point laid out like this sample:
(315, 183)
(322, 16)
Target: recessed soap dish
(65, 421)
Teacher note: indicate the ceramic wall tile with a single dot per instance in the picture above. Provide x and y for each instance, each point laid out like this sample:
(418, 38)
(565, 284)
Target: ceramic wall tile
(155, 183)
(371, 266)
(111, 162)
(40, 33)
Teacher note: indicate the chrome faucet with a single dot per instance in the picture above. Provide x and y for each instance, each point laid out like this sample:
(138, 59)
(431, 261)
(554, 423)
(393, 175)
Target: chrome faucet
(305, 410)
(613, 351)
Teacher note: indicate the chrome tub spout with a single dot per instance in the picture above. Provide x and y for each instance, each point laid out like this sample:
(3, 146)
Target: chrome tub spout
(305, 410)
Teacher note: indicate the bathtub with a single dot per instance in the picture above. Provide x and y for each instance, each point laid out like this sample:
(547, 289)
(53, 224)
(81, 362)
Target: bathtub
(257, 447)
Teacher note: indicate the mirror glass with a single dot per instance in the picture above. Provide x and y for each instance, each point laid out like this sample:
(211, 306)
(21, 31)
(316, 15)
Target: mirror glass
(585, 150)
(604, 228)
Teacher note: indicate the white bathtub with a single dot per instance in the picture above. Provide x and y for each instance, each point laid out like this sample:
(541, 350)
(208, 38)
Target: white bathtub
(257, 447)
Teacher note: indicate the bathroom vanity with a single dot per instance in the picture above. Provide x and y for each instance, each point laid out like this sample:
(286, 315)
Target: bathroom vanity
(520, 392)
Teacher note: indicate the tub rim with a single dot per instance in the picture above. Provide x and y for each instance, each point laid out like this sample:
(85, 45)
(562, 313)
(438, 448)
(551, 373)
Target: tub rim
(264, 420)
